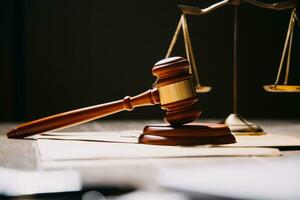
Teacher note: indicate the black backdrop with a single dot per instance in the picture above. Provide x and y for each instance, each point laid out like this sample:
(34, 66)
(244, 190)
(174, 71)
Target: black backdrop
(58, 55)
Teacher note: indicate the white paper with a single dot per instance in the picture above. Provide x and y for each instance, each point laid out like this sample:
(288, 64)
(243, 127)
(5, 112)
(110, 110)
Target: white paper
(128, 136)
(272, 180)
(72, 150)
(267, 140)
(18, 182)
(131, 136)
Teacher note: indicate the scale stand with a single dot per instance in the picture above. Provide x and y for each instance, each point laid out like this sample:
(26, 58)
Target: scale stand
(237, 124)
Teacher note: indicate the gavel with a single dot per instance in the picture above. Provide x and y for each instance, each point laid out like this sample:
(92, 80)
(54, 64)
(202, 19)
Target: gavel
(173, 90)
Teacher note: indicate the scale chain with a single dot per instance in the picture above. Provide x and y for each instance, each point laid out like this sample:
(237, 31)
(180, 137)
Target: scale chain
(284, 49)
(290, 48)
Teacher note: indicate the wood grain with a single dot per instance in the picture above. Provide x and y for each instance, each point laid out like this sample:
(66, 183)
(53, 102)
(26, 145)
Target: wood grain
(168, 71)
(173, 70)
(83, 115)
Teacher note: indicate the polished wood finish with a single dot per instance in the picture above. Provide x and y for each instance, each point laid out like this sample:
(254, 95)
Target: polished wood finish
(188, 134)
(175, 91)
(186, 141)
(79, 116)
(187, 130)
(168, 71)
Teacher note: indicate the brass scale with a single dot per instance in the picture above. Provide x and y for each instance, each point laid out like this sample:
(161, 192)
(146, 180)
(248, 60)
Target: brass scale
(236, 122)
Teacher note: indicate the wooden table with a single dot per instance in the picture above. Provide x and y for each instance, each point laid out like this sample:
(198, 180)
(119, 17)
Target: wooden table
(140, 173)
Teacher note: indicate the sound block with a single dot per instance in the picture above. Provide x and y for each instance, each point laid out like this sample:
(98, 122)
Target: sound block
(189, 134)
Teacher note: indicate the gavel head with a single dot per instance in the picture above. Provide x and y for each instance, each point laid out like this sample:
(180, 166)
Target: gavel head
(176, 90)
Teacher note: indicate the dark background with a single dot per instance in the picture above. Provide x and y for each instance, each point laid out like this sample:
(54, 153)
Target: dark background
(58, 55)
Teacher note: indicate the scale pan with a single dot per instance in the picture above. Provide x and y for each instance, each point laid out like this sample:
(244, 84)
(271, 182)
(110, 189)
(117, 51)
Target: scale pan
(282, 88)
(202, 89)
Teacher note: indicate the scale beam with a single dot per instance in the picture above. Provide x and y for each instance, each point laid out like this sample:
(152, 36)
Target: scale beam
(191, 10)
(274, 6)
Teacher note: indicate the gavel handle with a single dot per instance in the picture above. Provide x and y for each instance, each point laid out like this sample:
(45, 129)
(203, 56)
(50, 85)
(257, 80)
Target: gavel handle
(79, 116)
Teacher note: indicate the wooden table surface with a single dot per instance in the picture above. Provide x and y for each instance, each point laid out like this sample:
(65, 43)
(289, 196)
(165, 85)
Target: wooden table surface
(21, 154)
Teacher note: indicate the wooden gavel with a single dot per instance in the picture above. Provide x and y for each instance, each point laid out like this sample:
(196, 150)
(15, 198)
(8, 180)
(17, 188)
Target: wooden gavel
(173, 89)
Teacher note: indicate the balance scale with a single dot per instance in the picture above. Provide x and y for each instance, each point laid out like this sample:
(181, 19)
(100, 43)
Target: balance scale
(237, 124)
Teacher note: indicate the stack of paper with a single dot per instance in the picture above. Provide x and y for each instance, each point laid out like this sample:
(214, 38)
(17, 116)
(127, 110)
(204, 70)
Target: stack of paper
(121, 145)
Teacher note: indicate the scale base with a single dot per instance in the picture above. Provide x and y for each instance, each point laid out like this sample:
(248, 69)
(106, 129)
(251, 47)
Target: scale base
(202, 88)
(239, 126)
(189, 134)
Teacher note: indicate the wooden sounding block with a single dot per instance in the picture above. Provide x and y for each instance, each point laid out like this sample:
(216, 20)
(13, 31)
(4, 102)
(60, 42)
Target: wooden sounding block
(188, 134)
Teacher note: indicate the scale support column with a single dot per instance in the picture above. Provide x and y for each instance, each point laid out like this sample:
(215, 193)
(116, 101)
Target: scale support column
(237, 124)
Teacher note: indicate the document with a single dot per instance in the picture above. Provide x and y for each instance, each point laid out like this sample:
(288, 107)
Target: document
(128, 136)
(75, 150)
(268, 180)
(131, 136)
(15, 182)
